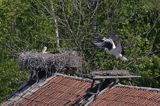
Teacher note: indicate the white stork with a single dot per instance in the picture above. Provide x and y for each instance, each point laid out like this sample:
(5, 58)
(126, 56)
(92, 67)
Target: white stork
(111, 45)
(44, 50)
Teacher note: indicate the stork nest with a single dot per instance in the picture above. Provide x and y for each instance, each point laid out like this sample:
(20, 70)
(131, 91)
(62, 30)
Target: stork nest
(49, 61)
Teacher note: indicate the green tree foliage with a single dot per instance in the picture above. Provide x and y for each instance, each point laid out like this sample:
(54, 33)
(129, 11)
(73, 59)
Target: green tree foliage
(23, 27)
(28, 25)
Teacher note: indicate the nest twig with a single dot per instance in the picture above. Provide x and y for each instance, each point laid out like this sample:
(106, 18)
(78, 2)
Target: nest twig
(35, 61)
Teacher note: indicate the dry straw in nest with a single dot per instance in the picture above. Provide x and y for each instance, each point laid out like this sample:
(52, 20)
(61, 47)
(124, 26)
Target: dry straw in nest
(35, 61)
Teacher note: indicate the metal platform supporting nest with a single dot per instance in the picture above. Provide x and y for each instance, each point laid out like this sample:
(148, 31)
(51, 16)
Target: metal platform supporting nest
(111, 77)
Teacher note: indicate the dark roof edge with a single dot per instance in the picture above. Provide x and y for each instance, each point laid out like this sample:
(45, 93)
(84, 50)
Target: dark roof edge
(92, 98)
(138, 88)
(25, 90)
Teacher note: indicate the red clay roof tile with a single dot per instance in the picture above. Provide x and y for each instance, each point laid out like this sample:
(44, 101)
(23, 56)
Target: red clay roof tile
(63, 90)
(128, 96)
(59, 91)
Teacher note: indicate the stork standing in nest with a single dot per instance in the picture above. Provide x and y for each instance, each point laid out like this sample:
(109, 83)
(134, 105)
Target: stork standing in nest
(111, 45)
(44, 50)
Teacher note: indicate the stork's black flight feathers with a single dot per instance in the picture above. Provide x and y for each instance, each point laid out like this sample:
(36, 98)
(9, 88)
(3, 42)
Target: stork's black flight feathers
(102, 43)
(117, 41)
(111, 45)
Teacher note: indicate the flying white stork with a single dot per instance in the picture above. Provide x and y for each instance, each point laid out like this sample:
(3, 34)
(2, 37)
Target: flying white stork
(111, 45)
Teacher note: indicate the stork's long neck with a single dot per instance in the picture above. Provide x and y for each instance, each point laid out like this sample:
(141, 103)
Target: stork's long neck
(44, 50)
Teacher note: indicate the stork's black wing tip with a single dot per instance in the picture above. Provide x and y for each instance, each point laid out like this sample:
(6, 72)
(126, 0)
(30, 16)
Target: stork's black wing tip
(122, 52)
(114, 36)
(110, 33)
(97, 40)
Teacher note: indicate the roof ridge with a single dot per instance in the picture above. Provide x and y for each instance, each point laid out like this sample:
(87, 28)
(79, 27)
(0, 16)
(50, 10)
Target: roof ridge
(138, 88)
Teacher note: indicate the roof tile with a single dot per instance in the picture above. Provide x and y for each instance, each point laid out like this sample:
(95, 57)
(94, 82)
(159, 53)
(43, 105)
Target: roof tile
(33, 103)
(59, 91)
(25, 102)
(128, 96)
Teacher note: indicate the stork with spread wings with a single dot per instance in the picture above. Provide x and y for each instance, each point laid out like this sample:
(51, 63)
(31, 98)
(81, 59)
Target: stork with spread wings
(111, 45)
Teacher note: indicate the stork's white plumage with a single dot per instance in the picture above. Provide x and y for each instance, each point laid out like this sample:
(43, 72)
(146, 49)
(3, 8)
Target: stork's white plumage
(44, 50)
(111, 45)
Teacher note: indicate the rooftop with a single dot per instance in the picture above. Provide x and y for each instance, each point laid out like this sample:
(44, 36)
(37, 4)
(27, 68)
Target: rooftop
(57, 90)
(65, 90)
(123, 95)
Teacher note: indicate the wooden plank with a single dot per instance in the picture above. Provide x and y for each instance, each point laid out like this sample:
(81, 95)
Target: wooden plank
(115, 77)
(111, 73)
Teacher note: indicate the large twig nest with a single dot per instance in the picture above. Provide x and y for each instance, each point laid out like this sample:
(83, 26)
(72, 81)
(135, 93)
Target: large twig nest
(49, 61)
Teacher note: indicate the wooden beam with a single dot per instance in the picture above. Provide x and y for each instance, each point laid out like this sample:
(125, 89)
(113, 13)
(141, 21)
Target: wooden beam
(111, 73)
(115, 77)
